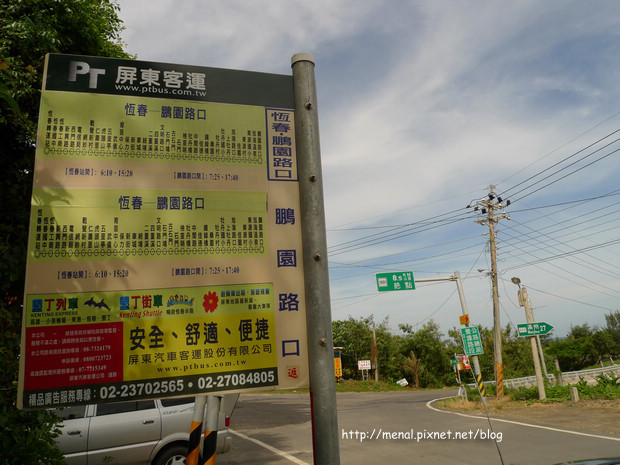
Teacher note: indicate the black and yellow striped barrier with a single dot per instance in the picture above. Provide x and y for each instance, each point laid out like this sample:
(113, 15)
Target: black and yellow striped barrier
(193, 450)
(208, 448)
(480, 385)
(195, 432)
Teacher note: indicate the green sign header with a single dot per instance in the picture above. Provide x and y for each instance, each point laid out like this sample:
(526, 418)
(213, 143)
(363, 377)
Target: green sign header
(75, 73)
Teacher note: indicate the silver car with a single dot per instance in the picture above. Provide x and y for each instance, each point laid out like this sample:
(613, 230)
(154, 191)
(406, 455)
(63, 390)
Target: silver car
(144, 432)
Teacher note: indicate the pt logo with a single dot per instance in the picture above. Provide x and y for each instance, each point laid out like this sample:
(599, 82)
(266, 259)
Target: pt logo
(81, 67)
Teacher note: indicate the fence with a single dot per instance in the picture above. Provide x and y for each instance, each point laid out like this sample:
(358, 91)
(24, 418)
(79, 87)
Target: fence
(568, 377)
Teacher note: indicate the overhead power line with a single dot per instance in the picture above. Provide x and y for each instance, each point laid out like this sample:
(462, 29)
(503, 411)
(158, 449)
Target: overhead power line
(509, 192)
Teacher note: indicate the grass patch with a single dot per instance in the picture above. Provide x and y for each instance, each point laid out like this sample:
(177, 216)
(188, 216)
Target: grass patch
(368, 386)
(349, 385)
(475, 406)
(607, 388)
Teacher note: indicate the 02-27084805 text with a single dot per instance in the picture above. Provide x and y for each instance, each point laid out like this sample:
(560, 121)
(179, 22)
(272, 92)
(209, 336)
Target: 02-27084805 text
(187, 385)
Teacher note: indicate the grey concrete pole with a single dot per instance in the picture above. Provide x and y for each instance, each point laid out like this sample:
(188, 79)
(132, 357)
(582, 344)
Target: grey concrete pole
(542, 394)
(316, 275)
(541, 354)
(540, 351)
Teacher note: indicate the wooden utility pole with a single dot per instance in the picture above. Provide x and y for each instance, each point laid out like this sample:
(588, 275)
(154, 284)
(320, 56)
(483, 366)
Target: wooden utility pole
(489, 205)
(497, 327)
(374, 352)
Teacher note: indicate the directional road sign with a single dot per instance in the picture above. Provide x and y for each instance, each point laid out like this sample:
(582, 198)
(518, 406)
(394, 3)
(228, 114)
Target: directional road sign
(471, 341)
(396, 281)
(533, 329)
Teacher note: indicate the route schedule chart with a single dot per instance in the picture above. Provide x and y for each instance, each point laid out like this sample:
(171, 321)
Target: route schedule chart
(164, 253)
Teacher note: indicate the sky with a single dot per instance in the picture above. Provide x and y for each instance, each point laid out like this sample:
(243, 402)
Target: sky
(423, 105)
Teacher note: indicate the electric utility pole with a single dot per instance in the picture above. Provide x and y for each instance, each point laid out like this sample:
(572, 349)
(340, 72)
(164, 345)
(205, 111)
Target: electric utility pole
(489, 206)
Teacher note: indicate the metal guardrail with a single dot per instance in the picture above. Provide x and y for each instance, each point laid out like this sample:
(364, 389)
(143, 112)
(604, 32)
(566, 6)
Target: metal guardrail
(567, 375)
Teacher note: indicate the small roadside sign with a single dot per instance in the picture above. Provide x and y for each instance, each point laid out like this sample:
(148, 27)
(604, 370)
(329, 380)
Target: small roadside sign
(463, 362)
(464, 319)
(395, 281)
(472, 343)
(533, 329)
(363, 364)
(338, 367)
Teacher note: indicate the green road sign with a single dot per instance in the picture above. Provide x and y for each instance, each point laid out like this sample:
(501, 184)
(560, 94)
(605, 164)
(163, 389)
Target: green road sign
(533, 329)
(396, 281)
(471, 341)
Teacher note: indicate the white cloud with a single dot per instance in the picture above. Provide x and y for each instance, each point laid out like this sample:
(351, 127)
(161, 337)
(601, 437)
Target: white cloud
(423, 105)
(260, 36)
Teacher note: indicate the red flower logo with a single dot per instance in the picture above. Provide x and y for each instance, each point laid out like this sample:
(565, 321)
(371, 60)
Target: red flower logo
(210, 302)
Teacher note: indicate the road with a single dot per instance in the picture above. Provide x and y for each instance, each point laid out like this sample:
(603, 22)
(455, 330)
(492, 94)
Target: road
(275, 429)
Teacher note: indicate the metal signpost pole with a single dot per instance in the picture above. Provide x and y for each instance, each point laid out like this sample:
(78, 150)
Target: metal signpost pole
(193, 453)
(210, 436)
(316, 275)
(476, 364)
(474, 358)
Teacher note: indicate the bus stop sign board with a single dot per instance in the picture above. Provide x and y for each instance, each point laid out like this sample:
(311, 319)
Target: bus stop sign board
(156, 267)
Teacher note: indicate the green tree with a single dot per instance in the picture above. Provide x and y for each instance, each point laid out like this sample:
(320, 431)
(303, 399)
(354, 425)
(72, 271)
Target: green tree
(580, 331)
(425, 354)
(355, 338)
(582, 348)
(600, 345)
(613, 329)
(28, 31)
(412, 368)
(571, 353)
(516, 355)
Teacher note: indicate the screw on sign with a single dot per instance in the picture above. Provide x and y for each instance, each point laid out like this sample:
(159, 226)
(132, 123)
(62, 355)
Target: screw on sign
(395, 281)
(463, 362)
(533, 329)
(471, 341)
(363, 364)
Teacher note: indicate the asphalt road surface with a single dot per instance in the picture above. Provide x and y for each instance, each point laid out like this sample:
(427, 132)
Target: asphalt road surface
(401, 428)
